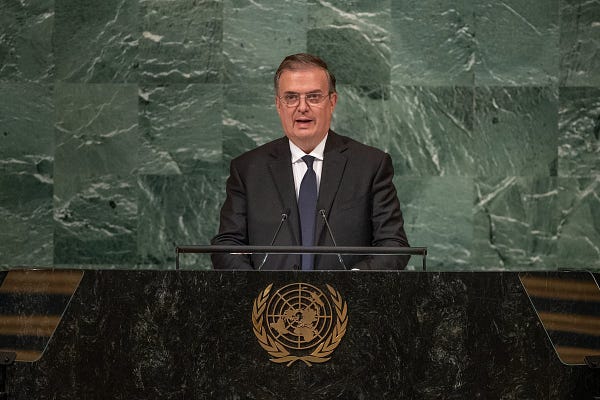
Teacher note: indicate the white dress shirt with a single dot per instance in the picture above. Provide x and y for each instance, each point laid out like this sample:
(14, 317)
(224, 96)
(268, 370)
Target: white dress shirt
(299, 166)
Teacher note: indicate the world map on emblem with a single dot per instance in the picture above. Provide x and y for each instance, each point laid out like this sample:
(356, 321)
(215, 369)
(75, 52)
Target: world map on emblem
(299, 316)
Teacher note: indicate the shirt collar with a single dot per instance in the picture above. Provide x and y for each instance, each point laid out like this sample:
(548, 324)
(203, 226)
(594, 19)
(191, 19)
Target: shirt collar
(317, 153)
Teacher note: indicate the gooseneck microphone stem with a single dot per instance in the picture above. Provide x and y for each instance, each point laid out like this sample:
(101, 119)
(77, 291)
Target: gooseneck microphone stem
(322, 212)
(284, 216)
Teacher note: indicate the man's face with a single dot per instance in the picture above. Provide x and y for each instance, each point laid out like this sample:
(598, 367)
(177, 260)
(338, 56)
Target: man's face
(305, 124)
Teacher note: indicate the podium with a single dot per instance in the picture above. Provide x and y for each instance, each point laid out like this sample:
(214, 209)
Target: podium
(183, 334)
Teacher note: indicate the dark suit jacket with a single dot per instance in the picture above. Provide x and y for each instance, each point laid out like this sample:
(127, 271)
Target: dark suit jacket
(356, 192)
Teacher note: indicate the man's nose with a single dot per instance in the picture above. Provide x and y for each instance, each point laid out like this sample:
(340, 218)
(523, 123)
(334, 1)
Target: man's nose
(303, 104)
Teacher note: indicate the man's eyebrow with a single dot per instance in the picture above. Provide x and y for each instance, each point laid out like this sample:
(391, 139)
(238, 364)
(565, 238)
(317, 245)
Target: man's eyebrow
(309, 92)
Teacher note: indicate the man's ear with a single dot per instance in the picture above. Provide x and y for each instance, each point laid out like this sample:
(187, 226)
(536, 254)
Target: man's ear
(333, 100)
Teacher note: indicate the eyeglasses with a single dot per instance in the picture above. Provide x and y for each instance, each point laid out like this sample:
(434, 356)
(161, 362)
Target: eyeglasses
(293, 99)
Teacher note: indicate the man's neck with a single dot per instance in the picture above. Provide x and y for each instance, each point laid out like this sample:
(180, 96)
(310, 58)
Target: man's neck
(309, 147)
(318, 149)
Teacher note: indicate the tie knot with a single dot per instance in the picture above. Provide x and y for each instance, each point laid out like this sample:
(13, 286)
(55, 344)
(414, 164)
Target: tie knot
(309, 161)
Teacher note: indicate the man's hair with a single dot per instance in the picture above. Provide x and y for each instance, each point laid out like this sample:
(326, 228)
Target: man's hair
(303, 61)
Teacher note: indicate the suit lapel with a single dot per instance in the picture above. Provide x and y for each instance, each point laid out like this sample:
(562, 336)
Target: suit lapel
(334, 163)
(283, 177)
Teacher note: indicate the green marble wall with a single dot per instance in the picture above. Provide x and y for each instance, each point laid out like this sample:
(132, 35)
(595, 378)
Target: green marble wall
(118, 119)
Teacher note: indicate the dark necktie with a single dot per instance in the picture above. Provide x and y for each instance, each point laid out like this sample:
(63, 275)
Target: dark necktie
(307, 207)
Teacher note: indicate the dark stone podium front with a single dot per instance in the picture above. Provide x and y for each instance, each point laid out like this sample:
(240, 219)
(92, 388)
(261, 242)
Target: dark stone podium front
(189, 335)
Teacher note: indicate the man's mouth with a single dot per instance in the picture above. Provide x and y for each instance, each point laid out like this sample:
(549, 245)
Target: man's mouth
(303, 121)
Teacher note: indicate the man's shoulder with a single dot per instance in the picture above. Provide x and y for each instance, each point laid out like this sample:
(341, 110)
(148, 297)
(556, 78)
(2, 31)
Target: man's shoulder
(264, 152)
(346, 143)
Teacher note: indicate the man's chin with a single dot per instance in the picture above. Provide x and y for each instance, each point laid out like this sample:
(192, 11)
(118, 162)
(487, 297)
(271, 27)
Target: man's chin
(304, 133)
(304, 126)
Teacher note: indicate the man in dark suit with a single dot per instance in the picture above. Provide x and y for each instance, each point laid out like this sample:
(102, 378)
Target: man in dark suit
(310, 175)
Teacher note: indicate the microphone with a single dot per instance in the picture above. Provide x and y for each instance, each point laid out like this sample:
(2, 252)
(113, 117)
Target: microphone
(284, 216)
(322, 212)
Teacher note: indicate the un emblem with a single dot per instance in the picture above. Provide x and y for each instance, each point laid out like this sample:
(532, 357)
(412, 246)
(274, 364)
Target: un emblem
(299, 322)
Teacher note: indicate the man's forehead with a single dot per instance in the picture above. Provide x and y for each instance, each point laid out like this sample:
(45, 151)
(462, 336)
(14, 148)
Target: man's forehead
(304, 75)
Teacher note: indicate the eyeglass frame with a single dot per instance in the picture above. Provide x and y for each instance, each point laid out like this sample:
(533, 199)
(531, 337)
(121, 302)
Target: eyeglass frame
(300, 96)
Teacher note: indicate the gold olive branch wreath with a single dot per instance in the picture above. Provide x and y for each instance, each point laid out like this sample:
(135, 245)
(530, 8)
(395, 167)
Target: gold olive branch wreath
(279, 352)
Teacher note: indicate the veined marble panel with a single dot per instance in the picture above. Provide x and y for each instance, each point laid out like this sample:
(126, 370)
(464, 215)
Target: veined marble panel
(579, 43)
(96, 129)
(26, 41)
(26, 175)
(517, 42)
(178, 210)
(579, 222)
(364, 113)
(438, 215)
(433, 42)
(181, 128)
(249, 118)
(96, 41)
(95, 219)
(516, 131)
(432, 130)
(515, 223)
(26, 215)
(426, 130)
(181, 41)
(353, 37)
(579, 132)
(257, 35)
(26, 129)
